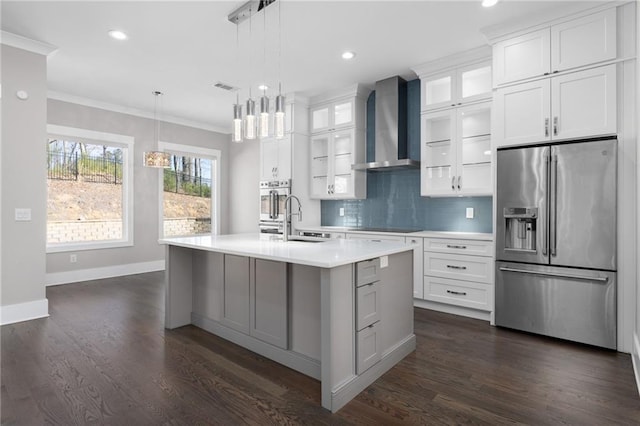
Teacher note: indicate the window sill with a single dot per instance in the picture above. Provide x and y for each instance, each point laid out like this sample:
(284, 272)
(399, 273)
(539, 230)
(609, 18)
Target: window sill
(79, 246)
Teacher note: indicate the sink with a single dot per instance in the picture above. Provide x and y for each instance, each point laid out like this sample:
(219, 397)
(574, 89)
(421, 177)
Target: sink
(305, 240)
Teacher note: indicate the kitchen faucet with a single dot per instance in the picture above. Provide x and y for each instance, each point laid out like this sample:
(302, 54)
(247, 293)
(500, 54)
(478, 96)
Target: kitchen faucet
(287, 216)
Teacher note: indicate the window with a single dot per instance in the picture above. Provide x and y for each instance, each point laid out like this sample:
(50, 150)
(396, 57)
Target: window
(189, 191)
(89, 189)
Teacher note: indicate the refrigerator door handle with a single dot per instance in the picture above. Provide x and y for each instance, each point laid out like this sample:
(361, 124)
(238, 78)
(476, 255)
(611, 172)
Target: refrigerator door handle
(545, 214)
(554, 274)
(553, 205)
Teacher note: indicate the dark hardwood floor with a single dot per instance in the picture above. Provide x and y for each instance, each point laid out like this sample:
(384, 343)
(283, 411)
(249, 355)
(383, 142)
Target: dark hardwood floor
(103, 357)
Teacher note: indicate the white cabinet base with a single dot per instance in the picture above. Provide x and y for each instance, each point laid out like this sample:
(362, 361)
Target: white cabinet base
(452, 309)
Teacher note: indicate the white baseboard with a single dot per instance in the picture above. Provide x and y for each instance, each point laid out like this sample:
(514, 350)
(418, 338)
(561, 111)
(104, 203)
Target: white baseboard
(67, 277)
(635, 358)
(452, 309)
(26, 311)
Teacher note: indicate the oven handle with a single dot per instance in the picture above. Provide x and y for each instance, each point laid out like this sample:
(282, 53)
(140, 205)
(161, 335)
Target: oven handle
(273, 204)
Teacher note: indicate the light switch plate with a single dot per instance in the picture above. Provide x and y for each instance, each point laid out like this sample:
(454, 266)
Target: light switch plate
(384, 261)
(469, 212)
(23, 215)
(341, 213)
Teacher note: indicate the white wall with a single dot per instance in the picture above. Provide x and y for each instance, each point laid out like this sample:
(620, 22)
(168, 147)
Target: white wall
(146, 181)
(23, 182)
(636, 349)
(244, 175)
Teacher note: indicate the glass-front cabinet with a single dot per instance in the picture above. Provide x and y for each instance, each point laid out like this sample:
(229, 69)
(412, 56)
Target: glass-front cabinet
(332, 155)
(332, 116)
(456, 151)
(457, 86)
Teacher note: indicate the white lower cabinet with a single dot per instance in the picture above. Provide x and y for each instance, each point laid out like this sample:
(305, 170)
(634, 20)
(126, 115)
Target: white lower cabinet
(459, 272)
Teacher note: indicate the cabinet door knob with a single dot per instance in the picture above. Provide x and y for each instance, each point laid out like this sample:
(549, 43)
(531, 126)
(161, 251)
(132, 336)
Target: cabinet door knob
(459, 182)
(453, 183)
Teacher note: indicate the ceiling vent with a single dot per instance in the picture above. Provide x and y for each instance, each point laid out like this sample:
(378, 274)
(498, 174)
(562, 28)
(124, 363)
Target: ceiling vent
(225, 86)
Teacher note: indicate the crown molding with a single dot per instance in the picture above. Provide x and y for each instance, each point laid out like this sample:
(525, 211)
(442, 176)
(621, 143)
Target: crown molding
(20, 42)
(479, 54)
(65, 97)
(495, 33)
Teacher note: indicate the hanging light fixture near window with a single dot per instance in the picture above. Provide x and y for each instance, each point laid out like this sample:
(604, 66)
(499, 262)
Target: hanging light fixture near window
(157, 159)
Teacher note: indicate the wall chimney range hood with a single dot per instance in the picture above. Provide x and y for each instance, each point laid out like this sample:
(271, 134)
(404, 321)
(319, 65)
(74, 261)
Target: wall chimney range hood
(390, 128)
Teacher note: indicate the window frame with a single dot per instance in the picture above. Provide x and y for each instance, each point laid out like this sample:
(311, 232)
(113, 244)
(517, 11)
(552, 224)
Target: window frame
(215, 155)
(127, 143)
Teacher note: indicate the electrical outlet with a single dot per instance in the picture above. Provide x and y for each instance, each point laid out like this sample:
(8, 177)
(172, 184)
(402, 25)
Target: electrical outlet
(73, 258)
(23, 215)
(341, 213)
(469, 212)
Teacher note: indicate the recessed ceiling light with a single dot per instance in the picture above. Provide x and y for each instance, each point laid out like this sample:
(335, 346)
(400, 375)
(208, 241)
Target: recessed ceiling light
(489, 3)
(118, 35)
(348, 55)
(263, 87)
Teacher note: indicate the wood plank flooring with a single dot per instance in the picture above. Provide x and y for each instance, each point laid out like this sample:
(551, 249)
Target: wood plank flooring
(104, 357)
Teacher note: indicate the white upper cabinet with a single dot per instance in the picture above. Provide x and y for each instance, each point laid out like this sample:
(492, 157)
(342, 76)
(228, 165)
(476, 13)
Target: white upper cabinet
(565, 46)
(335, 115)
(337, 122)
(456, 87)
(584, 41)
(456, 151)
(275, 158)
(573, 105)
(522, 57)
(332, 154)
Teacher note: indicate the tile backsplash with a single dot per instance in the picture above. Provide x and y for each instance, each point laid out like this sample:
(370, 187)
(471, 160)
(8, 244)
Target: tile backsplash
(394, 201)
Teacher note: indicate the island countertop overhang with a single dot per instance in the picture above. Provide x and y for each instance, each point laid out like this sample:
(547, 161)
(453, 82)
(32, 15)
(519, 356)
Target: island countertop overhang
(325, 254)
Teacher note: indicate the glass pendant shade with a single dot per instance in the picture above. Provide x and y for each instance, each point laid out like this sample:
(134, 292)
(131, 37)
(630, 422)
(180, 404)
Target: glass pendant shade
(236, 135)
(250, 120)
(263, 124)
(279, 117)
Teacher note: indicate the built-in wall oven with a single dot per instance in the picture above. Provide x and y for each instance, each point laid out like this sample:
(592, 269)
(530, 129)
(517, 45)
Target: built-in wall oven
(273, 194)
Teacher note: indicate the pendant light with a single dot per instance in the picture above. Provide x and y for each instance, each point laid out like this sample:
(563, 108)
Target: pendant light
(157, 159)
(279, 115)
(250, 118)
(252, 126)
(263, 123)
(236, 134)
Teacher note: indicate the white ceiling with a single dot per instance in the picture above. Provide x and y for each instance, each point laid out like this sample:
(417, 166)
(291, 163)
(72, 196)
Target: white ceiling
(181, 48)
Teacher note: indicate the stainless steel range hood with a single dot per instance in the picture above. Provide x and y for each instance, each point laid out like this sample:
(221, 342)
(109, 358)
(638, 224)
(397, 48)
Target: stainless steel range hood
(390, 128)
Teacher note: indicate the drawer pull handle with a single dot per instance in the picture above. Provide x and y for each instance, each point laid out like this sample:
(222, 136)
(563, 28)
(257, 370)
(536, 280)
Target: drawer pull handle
(457, 293)
(453, 246)
(456, 267)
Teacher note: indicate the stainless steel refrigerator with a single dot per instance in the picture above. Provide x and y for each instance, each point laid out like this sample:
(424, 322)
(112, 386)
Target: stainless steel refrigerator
(556, 240)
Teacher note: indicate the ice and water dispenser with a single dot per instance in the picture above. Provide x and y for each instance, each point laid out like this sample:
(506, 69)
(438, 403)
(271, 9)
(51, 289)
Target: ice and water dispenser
(520, 228)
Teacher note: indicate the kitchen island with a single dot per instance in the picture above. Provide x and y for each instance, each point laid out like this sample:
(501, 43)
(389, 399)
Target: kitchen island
(340, 311)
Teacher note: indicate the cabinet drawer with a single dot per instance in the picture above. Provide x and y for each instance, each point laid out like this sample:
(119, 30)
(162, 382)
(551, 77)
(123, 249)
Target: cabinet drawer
(367, 271)
(468, 268)
(461, 293)
(367, 305)
(368, 347)
(466, 247)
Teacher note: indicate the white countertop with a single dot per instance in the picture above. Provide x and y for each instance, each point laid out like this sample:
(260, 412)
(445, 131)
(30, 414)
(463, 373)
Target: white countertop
(424, 234)
(325, 254)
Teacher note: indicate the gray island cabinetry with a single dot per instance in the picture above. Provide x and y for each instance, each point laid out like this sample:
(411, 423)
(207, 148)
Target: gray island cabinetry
(340, 311)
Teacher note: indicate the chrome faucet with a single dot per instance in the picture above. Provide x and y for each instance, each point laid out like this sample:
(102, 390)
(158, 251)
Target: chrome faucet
(287, 216)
